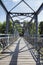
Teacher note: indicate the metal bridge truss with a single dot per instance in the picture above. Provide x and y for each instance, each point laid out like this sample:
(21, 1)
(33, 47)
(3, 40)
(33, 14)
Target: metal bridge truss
(32, 15)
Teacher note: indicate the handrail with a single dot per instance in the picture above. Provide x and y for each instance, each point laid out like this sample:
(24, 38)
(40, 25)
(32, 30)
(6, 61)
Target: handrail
(38, 46)
(6, 40)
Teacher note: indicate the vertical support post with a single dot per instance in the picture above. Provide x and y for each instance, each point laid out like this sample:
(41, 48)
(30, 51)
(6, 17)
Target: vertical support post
(13, 27)
(7, 28)
(36, 40)
(36, 21)
(7, 23)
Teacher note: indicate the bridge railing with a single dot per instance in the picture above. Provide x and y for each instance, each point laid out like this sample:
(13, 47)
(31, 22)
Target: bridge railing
(6, 40)
(32, 39)
(38, 46)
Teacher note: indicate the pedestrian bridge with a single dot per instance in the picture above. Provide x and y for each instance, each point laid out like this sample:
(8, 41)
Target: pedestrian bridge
(20, 52)
(16, 50)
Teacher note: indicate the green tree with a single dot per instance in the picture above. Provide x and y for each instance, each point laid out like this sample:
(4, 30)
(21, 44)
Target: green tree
(10, 27)
(31, 27)
(3, 27)
(18, 26)
(41, 28)
(0, 27)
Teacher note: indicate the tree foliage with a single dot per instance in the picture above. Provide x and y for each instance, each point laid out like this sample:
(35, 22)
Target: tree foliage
(0, 27)
(18, 26)
(30, 25)
(3, 27)
(41, 28)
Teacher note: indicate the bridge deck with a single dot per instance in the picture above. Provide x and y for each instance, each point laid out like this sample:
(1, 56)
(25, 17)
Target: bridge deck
(17, 54)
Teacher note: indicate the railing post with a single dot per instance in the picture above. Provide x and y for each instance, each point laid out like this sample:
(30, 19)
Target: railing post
(36, 21)
(7, 26)
(7, 23)
(8, 39)
(36, 40)
(13, 28)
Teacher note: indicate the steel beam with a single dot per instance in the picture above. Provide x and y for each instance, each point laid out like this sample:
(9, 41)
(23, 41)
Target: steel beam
(15, 14)
(16, 5)
(40, 9)
(3, 6)
(36, 44)
(7, 23)
(28, 5)
(21, 13)
(36, 21)
(31, 19)
(19, 3)
(12, 23)
(11, 18)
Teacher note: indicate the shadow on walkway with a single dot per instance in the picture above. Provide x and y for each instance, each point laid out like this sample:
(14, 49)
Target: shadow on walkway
(15, 55)
(33, 51)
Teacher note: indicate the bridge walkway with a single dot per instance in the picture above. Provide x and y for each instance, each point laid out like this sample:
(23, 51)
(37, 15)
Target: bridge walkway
(17, 54)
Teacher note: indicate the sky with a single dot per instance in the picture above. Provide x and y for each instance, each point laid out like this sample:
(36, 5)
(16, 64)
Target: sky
(35, 4)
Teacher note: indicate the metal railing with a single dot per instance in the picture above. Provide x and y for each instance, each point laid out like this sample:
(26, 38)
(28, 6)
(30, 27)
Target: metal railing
(37, 50)
(6, 40)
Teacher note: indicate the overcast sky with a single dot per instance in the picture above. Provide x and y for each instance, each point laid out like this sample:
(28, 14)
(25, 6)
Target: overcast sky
(35, 4)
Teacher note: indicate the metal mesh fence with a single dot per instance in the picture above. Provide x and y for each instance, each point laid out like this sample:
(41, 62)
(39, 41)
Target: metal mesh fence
(37, 50)
(6, 40)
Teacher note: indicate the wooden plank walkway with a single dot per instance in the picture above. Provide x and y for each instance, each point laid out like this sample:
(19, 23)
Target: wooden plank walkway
(17, 54)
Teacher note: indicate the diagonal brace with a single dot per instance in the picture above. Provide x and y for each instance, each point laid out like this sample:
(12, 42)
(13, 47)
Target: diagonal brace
(28, 5)
(15, 5)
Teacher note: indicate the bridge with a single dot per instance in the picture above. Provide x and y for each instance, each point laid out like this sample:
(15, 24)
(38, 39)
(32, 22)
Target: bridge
(20, 51)
(25, 50)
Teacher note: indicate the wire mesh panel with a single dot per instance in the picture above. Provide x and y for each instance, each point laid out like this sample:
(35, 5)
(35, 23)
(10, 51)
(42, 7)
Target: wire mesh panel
(6, 40)
(37, 52)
